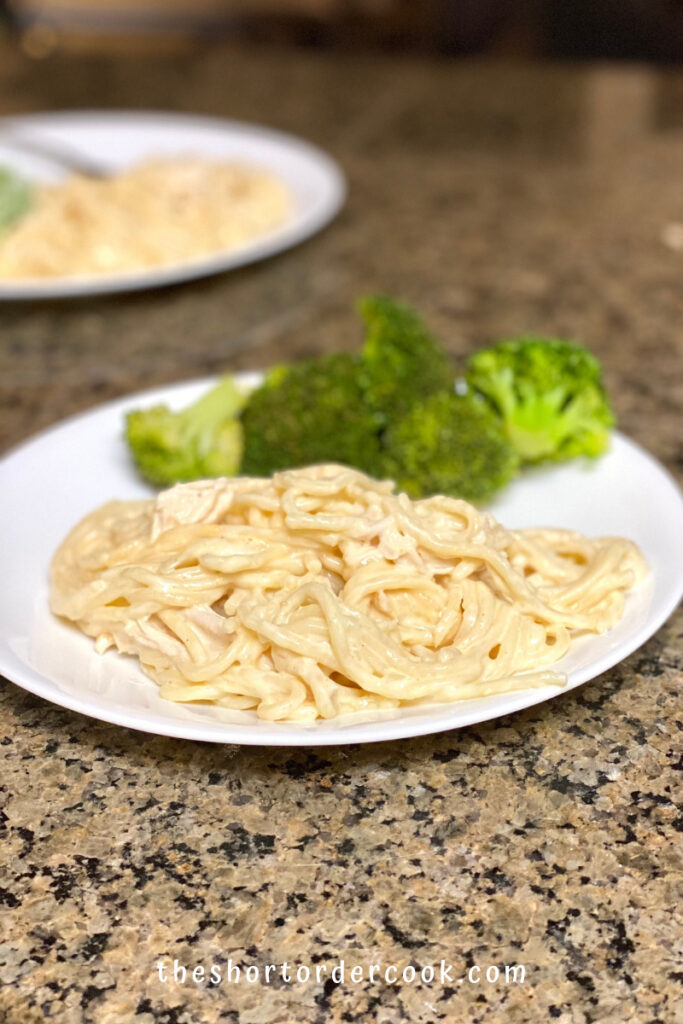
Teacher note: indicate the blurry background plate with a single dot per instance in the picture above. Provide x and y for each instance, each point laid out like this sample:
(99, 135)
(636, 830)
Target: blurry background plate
(116, 140)
(52, 481)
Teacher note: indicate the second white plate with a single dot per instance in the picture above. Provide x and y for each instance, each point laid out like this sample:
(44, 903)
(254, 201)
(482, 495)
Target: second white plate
(118, 139)
(50, 482)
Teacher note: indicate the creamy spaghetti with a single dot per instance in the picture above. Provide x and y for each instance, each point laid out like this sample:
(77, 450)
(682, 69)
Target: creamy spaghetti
(157, 213)
(321, 592)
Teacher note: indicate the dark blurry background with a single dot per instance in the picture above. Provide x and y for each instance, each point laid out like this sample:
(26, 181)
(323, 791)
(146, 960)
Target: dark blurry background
(619, 29)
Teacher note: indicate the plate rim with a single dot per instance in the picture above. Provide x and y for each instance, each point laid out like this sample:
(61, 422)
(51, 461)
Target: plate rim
(290, 734)
(279, 240)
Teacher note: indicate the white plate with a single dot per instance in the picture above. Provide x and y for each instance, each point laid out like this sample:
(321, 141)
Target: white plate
(121, 138)
(50, 482)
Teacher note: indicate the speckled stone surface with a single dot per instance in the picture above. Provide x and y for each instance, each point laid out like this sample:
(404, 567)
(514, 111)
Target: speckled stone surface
(497, 199)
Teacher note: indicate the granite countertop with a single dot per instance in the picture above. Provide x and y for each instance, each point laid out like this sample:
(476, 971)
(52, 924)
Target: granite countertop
(497, 198)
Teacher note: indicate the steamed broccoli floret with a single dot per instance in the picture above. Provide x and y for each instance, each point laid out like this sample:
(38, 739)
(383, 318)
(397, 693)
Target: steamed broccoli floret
(401, 362)
(450, 444)
(549, 394)
(309, 412)
(201, 441)
(15, 198)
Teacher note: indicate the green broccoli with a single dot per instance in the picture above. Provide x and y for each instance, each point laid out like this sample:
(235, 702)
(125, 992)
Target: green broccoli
(450, 444)
(549, 394)
(203, 440)
(401, 362)
(15, 198)
(310, 412)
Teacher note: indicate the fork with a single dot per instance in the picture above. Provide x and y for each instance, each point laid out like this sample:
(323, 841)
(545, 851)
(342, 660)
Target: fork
(58, 153)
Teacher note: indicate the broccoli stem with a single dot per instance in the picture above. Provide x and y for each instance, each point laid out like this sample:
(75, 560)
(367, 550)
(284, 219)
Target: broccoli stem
(219, 404)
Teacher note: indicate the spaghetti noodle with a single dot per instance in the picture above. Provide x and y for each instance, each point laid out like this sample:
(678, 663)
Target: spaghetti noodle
(158, 213)
(320, 592)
